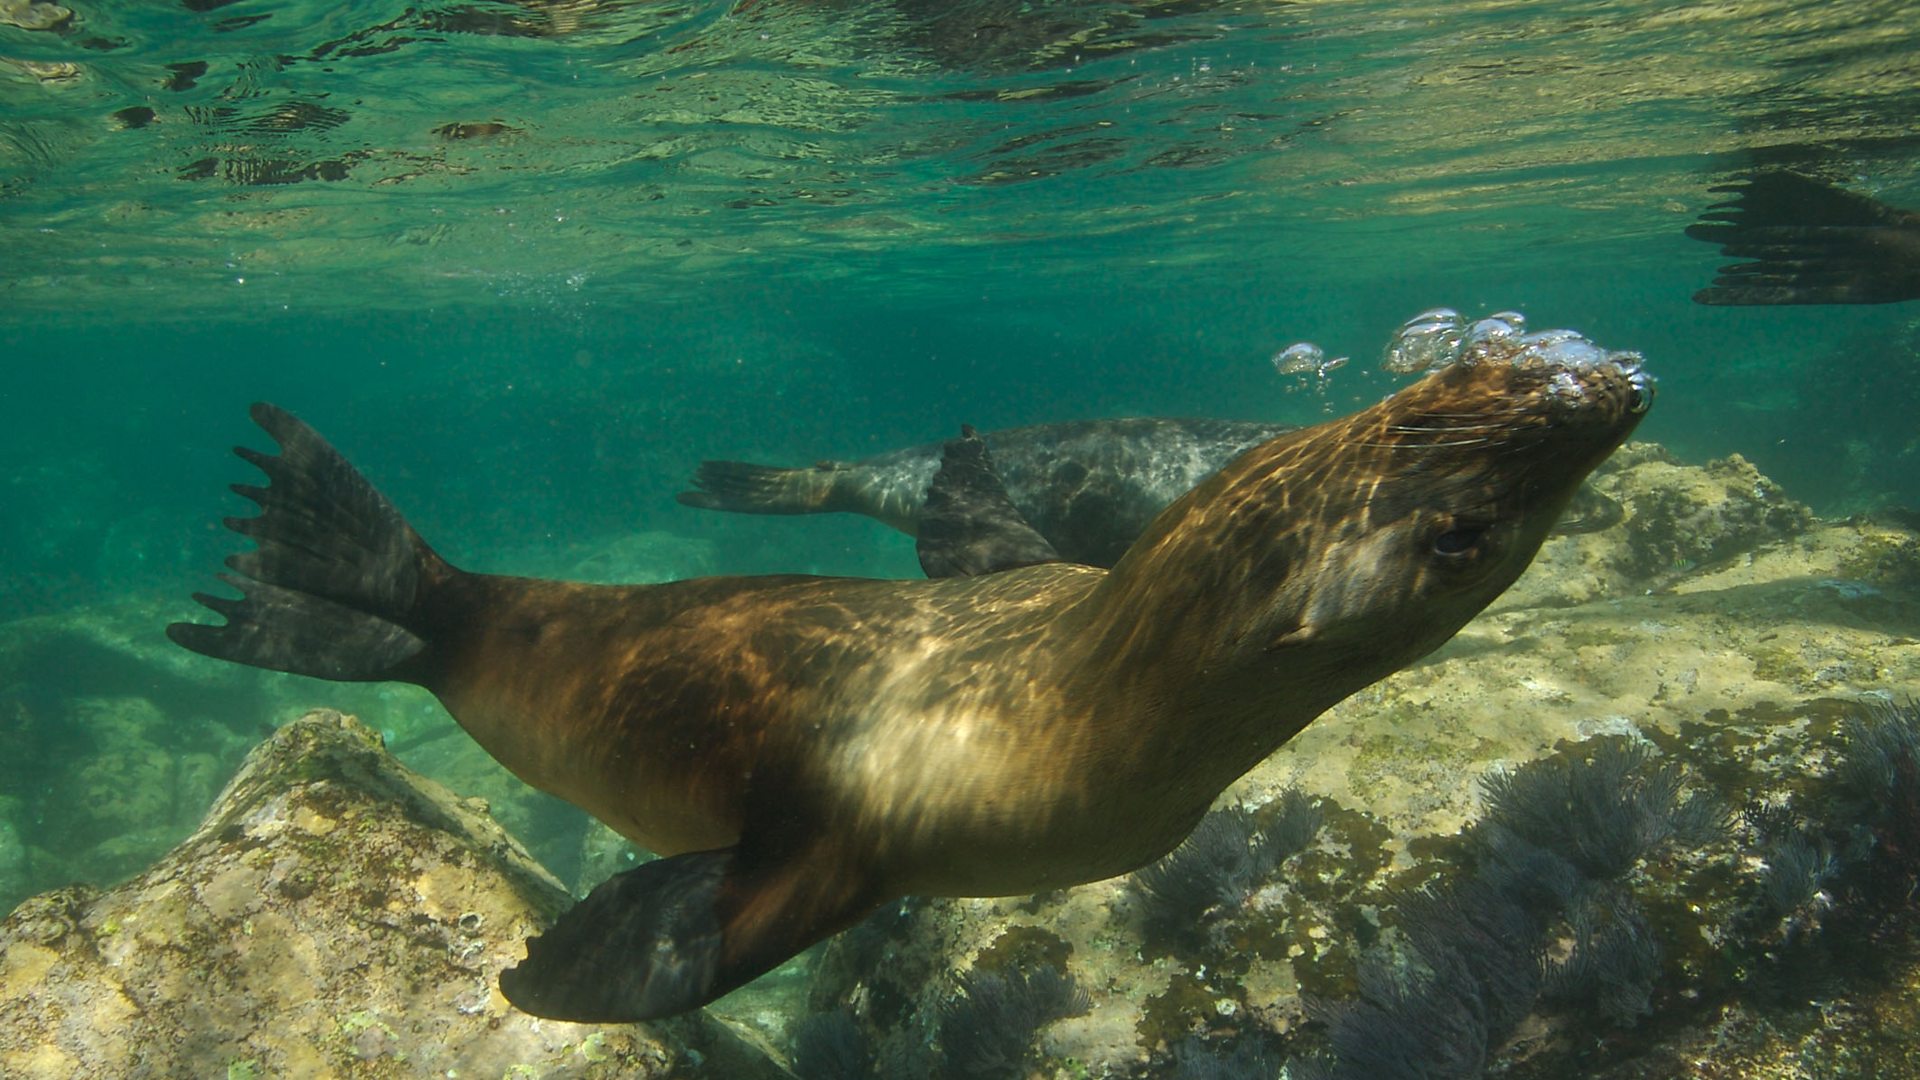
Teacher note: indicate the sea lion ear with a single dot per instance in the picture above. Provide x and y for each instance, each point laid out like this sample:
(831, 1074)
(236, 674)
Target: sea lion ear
(970, 525)
(676, 933)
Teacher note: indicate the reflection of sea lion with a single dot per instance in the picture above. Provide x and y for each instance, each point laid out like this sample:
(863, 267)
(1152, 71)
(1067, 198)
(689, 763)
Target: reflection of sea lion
(1809, 243)
(803, 749)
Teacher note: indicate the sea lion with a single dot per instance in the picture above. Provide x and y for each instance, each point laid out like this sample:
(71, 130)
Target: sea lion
(804, 749)
(1809, 243)
(1088, 487)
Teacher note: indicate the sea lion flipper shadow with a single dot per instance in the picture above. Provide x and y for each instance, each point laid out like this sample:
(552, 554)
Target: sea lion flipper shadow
(676, 933)
(970, 525)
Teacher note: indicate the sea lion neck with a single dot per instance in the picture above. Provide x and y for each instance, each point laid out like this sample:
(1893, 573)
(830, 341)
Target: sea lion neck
(1327, 558)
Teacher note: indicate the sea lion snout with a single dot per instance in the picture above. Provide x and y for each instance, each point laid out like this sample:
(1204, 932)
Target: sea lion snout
(1581, 375)
(1561, 368)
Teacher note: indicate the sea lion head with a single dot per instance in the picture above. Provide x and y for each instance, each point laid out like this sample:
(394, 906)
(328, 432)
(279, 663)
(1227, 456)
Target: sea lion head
(1351, 548)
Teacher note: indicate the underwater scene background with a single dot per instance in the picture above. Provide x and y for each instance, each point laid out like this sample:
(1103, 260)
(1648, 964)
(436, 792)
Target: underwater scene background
(528, 264)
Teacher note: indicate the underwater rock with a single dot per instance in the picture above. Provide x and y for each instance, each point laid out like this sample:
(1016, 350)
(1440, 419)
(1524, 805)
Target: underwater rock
(335, 914)
(117, 742)
(1678, 517)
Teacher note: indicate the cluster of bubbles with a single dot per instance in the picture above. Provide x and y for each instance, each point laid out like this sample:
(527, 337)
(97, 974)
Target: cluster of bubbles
(1439, 337)
(1442, 337)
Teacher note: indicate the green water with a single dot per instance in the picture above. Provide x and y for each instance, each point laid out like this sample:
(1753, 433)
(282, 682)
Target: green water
(528, 264)
(806, 229)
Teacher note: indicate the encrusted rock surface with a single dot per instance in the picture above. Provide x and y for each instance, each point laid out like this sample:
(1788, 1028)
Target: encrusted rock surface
(335, 915)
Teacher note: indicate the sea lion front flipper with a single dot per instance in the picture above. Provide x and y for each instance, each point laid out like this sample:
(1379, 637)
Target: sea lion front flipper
(970, 525)
(676, 933)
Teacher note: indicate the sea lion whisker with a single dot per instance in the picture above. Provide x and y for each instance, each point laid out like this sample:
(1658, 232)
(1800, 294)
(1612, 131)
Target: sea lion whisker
(1445, 429)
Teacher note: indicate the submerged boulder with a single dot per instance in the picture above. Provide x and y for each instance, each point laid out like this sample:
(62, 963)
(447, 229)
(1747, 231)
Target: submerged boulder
(334, 915)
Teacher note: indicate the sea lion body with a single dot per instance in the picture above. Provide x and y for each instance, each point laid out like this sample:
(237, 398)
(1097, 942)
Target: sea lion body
(804, 749)
(1089, 486)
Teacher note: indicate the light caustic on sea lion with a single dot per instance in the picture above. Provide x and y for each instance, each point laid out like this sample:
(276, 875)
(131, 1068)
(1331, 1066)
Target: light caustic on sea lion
(803, 749)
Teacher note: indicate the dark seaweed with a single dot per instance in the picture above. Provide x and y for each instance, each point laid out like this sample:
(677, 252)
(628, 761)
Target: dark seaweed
(1615, 959)
(1493, 936)
(1407, 1024)
(1602, 814)
(1226, 859)
(1879, 779)
(831, 1046)
(1196, 1058)
(1799, 867)
(1558, 836)
(1294, 822)
(987, 1026)
(1217, 867)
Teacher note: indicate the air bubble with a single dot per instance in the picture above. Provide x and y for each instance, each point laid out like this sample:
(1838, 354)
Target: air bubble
(1299, 358)
(1427, 342)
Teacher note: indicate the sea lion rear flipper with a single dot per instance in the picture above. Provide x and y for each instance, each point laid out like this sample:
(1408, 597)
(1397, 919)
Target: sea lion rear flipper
(676, 933)
(745, 488)
(970, 525)
(332, 586)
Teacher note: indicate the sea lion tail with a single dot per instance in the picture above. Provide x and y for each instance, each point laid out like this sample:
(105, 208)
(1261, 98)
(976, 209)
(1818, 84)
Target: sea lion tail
(745, 488)
(330, 588)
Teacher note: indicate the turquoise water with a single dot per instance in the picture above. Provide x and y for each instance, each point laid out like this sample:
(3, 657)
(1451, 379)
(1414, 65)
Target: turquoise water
(528, 264)
(797, 230)
(820, 229)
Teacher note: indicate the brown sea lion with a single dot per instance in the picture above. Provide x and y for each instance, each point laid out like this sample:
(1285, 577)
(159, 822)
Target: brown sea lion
(1089, 487)
(803, 749)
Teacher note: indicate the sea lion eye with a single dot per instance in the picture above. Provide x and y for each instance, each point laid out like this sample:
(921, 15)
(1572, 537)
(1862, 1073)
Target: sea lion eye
(1458, 540)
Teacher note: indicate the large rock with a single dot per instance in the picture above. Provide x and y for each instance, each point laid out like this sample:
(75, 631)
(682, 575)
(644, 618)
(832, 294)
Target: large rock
(334, 915)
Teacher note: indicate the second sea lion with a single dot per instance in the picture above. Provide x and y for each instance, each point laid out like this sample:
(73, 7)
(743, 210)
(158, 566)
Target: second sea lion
(804, 749)
(1089, 487)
